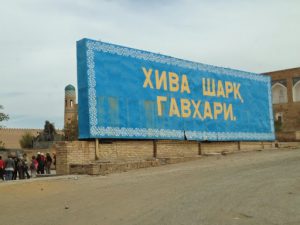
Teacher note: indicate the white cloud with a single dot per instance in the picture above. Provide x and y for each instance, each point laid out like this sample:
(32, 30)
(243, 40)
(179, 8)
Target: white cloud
(38, 40)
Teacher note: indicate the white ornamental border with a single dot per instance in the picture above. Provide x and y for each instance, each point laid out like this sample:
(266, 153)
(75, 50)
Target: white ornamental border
(223, 136)
(163, 133)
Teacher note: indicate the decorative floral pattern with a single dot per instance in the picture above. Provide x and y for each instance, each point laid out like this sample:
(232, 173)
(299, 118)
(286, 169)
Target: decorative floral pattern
(135, 132)
(226, 136)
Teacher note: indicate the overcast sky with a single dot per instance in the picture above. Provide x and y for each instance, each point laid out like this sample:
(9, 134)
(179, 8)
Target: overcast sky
(38, 42)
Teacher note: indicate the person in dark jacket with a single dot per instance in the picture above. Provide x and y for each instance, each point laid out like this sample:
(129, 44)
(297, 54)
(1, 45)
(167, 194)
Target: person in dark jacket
(9, 168)
(20, 167)
(25, 160)
(15, 173)
(48, 163)
(54, 160)
(41, 163)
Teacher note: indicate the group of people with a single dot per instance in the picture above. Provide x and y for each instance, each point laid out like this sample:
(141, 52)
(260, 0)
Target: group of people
(18, 166)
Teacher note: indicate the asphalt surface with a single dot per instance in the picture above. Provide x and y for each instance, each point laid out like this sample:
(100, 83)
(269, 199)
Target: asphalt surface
(244, 188)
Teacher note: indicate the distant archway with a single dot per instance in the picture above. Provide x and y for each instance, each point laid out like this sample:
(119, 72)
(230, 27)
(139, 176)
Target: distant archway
(279, 93)
(296, 92)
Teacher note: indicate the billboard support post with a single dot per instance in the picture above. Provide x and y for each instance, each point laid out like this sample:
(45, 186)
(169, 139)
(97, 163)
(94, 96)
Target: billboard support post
(96, 148)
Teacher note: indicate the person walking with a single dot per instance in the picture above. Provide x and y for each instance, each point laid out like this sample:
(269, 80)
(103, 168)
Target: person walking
(20, 167)
(9, 167)
(54, 160)
(15, 172)
(33, 166)
(41, 161)
(2, 166)
(25, 160)
(38, 159)
(48, 163)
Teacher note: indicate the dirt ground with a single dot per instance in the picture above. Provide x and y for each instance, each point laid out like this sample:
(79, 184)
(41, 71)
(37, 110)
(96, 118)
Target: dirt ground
(244, 188)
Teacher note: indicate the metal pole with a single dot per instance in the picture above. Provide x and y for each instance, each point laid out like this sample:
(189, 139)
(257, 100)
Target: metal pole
(96, 148)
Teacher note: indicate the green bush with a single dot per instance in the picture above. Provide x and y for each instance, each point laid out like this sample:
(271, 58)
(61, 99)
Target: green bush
(27, 140)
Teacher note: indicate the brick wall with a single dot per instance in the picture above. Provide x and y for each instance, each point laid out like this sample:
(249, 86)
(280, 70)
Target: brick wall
(218, 147)
(80, 156)
(268, 145)
(291, 109)
(62, 166)
(286, 136)
(289, 144)
(125, 150)
(172, 148)
(288, 76)
(297, 134)
(250, 146)
(75, 152)
(291, 115)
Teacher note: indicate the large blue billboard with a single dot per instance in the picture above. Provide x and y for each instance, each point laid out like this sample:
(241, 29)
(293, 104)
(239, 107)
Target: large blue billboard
(134, 94)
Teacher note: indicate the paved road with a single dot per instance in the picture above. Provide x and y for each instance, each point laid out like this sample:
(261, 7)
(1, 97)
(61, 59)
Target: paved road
(245, 188)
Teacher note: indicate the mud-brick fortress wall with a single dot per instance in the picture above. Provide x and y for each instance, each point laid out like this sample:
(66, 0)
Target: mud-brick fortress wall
(85, 153)
(11, 136)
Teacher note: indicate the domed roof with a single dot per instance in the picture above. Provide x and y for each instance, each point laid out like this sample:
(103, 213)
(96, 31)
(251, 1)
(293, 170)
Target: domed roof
(70, 87)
